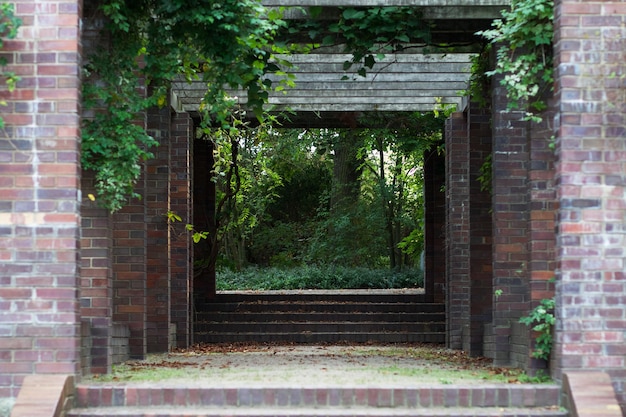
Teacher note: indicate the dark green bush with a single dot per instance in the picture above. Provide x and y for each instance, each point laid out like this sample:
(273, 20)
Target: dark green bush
(324, 277)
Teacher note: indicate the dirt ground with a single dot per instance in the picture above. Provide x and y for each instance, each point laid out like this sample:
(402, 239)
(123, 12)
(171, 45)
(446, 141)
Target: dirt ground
(311, 366)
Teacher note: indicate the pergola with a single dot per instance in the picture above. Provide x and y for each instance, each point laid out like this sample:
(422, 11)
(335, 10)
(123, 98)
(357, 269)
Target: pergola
(416, 79)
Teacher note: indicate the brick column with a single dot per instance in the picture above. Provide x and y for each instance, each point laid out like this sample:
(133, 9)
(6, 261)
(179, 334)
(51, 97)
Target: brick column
(457, 229)
(96, 281)
(541, 224)
(591, 150)
(129, 270)
(39, 189)
(158, 257)
(510, 221)
(181, 250)
(481, 293)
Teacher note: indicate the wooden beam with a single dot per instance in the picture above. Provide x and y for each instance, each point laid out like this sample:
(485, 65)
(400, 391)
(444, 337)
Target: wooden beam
(399, 82)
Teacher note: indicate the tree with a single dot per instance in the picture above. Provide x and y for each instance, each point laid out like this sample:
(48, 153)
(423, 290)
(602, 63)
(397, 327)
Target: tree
(395, 162)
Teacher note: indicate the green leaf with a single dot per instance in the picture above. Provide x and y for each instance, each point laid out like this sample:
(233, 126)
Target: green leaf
(351, 13)
(369, 61)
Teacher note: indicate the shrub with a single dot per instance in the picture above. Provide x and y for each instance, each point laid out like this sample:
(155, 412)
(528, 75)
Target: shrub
(326, 277)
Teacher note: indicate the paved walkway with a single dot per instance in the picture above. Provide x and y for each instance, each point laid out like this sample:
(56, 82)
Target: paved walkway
(313, 366)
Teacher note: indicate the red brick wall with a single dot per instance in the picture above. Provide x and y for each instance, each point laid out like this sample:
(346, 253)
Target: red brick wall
(590, 46)
(39, 203)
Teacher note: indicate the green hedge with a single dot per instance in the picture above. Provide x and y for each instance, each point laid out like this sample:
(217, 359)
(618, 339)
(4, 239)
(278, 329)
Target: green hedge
(317, 277)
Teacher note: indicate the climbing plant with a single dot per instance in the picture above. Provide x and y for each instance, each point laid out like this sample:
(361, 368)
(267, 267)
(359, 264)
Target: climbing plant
(145, 44)
(9, 24)
(541, 320)
(523, 38)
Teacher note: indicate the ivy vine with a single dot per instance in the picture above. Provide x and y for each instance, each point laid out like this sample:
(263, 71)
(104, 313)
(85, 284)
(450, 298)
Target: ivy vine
(144, 45)
(523, 38)
(9, 24)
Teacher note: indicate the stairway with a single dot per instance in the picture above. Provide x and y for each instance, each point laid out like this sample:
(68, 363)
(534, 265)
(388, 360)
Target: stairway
(175, 401)
(320, 317)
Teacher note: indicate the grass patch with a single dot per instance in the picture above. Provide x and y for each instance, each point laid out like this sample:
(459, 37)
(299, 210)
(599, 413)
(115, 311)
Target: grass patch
(322, 277)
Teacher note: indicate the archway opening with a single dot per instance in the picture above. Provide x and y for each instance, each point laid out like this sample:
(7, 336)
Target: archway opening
(316, 201)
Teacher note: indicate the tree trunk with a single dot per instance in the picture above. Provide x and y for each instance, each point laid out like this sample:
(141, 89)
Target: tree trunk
(346, 170)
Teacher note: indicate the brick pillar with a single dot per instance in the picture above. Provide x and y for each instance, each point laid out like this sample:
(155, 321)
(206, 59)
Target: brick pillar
(542, 215)
(510, 220)
(457, 229)
(96, 281)
(481, 294)
(434, 229)
(158, 257)
(129, 270)
(39, 189)
(180, 241)
(591, 150)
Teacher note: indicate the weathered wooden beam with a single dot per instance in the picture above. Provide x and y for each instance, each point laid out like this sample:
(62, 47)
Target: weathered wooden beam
(399, 82)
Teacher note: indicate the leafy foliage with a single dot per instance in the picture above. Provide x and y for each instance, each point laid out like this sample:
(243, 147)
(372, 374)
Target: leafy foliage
(147, 44)
(480, 81)
(317, 277)
(524, 54)
(9, 24)
(486, 174)
(396, 162)
(245, 187)
(541, 320)
(196, 236)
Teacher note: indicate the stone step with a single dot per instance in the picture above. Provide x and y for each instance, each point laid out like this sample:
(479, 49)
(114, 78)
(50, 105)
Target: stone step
(314, 412)
(320, 306)
(317, 316)
(322, 296)
(320, 337)
(162, 394)
(329, 326)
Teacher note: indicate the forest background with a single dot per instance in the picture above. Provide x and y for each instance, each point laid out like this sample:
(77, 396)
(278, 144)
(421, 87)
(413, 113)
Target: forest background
(323, 208)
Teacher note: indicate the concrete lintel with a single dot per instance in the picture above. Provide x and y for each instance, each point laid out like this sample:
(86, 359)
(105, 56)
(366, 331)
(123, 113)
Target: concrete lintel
(430, 12)
(175, 103)
(368, 3)
(358, 107)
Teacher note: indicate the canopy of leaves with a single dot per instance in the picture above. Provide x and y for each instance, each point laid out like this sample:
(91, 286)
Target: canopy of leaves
(147, 43)
(524, 55)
